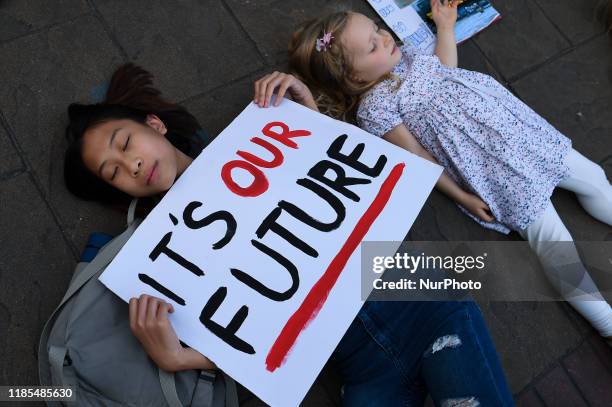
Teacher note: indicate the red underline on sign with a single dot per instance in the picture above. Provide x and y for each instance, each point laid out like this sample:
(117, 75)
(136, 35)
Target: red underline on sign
(317, 296)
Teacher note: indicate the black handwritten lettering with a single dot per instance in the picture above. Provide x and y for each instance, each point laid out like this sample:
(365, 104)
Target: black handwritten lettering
(226, 333)
(352, 160)
(225, 216)
(162, 247)
(262, 289)
(340, 182)
(150, 281)
(270, 224)
(322, 192)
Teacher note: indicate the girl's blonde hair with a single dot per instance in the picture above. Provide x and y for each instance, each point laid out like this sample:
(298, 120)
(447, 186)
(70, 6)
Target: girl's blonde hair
(327, 73)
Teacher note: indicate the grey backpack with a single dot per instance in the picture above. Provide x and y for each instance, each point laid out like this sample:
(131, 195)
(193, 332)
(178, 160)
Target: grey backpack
(87, 344)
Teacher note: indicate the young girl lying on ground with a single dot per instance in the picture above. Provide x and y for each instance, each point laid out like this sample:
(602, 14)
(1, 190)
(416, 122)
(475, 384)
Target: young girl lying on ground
(502, 160)
(394, 353)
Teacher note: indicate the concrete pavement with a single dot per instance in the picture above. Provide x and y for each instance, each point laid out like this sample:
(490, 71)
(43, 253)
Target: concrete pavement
(551, 53)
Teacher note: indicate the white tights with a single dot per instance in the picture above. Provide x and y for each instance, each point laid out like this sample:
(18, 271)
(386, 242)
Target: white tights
(594, 193)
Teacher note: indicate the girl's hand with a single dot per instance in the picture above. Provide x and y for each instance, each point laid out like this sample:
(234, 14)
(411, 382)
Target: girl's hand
(149, 323)
(477, 207)
(444, 14)
(298, 91)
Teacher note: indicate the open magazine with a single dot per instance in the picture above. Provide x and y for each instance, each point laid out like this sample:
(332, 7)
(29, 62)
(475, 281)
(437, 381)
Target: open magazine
(411, 20)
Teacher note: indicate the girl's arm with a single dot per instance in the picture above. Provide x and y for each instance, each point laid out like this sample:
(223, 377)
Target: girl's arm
(445, 17)
(149, 323)
(401, 137)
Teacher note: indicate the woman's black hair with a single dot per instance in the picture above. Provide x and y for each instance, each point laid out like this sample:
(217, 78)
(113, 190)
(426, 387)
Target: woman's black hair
(130, 96)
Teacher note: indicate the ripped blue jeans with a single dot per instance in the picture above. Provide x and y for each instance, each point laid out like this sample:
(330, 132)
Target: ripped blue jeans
(395, 353)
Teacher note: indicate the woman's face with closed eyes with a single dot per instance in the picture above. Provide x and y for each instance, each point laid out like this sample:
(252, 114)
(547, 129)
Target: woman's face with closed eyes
(133, 157)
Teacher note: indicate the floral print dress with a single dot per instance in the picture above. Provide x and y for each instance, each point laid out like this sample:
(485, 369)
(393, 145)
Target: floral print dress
(490, 142)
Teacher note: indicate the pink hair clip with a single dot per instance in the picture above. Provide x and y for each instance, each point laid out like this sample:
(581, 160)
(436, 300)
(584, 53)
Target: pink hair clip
(324, 42)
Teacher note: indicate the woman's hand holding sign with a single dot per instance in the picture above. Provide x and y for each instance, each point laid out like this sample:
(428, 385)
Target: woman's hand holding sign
(149, 323)
(298, 91)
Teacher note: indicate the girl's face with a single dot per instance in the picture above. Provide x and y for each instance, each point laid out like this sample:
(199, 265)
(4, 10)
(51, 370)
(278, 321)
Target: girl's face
(371, 51)
(135, 158)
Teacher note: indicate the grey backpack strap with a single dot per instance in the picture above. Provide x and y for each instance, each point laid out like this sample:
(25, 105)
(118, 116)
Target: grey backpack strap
(64, 374)
(131, 211)
(231, 393)
(104, 257)
(204, 392)
(168, 386)
(202, 395)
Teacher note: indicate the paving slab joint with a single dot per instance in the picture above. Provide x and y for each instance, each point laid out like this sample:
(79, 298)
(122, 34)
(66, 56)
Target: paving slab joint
(96, 13)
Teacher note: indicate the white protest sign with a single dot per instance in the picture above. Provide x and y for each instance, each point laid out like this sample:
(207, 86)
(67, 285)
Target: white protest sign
(257, 244)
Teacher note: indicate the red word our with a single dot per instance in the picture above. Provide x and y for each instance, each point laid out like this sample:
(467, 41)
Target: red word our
(253, 164)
